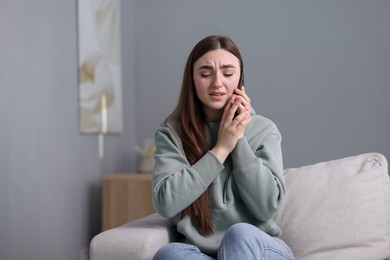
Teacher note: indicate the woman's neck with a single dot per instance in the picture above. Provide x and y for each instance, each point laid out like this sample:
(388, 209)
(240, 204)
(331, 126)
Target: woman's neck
(213, 115)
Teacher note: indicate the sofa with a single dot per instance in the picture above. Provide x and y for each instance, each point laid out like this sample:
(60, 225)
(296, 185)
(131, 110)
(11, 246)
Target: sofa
(338, 210)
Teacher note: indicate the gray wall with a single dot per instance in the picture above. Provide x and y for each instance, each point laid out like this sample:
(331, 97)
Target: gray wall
(50, 174)
(319, 69)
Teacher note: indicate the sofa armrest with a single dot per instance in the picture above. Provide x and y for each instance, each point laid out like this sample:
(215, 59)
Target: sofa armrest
(139, 239)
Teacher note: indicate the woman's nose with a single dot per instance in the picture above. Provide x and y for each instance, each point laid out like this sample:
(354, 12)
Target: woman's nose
(217, 80)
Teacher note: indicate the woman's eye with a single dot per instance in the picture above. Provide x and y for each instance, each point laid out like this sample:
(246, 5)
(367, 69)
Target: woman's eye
(204, 75)
(228, 74)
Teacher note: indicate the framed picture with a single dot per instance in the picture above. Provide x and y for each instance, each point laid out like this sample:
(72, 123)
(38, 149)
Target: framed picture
(99, 66)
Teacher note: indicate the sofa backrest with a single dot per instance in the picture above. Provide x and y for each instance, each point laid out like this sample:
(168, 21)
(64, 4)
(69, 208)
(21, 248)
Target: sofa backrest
(338, 209)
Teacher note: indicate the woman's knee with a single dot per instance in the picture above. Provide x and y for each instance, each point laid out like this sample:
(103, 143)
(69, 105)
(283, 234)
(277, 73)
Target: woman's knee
(179, 251)
(248, 240)
(168, 251)
(244, 230)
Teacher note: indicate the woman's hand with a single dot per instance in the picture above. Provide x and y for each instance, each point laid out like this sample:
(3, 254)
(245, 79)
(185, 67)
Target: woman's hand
(232, 127)
(246, 100)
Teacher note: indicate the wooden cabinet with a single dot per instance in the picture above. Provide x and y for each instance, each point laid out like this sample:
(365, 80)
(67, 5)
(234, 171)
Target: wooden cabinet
(126, 197)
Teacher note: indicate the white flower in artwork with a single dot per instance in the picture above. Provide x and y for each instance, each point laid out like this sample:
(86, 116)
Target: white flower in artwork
(95, 82)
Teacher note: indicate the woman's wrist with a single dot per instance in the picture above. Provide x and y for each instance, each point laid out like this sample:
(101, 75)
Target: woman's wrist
(220, 153)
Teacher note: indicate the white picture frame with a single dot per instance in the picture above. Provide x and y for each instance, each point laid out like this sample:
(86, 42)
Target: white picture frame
(99, 66)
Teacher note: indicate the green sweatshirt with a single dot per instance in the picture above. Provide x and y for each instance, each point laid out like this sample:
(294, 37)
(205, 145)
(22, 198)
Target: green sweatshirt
(248, 187)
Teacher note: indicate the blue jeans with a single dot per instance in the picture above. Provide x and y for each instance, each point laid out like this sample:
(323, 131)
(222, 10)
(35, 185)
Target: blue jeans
(241, 241)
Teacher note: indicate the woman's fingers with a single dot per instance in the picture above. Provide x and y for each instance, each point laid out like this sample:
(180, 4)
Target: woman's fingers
(241, 92)
(230, 109)
(243, 116)
(236, 110)
(244, 97)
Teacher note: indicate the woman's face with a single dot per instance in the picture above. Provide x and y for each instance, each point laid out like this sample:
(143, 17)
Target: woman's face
(216, 74)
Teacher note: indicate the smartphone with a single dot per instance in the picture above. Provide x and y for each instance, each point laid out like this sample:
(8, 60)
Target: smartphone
(240, 84)
(242, 81)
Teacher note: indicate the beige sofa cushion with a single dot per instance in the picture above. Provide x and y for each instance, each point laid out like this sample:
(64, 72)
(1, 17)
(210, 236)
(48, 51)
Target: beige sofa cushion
(338, 209)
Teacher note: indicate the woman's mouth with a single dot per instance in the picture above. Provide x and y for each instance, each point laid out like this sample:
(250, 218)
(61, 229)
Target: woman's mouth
(216, 96)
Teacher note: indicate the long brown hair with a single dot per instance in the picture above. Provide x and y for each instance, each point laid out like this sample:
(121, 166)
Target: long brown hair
(193, 123)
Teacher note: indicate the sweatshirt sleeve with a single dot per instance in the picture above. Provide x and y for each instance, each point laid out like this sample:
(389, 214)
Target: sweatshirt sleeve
(258, 171)
(176, 183)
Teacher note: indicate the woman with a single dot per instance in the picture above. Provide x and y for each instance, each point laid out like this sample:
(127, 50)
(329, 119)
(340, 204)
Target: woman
(218, 166)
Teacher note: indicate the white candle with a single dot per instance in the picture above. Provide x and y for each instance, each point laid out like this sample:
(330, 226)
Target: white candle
(103, 110)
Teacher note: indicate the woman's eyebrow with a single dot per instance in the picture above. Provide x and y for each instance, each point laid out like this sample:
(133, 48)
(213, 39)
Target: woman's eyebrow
(227, 66)
(209, 67)
(206, 67)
